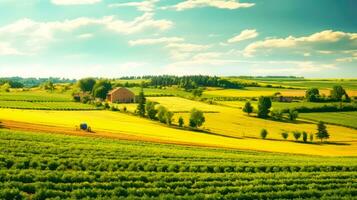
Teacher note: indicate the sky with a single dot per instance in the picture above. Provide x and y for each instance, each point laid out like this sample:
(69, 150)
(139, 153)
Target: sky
(115, 38)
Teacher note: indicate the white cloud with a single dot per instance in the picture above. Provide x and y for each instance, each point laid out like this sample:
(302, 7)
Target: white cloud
(296, 68)
(6, 50)
(85, 36)
(151, 41)
(244, 35)
(145, 6)
(31, 35)
(183, 51)
(187, 47)
(222, 4)
(327, 36)
(74, 2)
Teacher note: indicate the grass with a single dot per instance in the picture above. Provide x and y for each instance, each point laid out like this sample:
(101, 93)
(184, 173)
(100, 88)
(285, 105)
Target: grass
(41, 166)
(35, 95)
(348, 119)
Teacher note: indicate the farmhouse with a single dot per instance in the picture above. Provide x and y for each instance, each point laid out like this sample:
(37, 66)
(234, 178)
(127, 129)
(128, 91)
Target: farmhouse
(121, 95)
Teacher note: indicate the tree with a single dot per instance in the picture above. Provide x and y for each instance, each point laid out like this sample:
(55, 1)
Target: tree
(311, 137)
(197, 92)
(346, 98)
(197, 118)
(312, 94)
(304, 136)
(248, 108)
(6, 87)
(337, 92)
(285, 135)
(264, 104)
(276, 114)
(297, 135)
(141, 100)
(322, 131)
(48, 86)
(161, 114)
(293, 114)
(263, 133)
(86, 84)
(168, 116)
(101, 89)
(150, 109)
(180, 121)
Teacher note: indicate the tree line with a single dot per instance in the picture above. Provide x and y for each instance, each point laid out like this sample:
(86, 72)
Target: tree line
(192, 82)
(337, 94)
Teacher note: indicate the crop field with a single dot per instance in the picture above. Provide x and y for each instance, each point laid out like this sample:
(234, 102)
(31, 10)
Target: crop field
(349, 84)
(168, 91)
(348, 119)
(262, 91)
(227, 128)
(92, 168)
(178, 104)
(51, 105)
(252, 92)
(278, 105)
(35, 95)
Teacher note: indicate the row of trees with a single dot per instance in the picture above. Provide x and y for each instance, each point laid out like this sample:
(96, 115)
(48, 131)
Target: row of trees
(154, 111)
(321, 133)
(192, 82)
(264, 105)
(97, 88)
(336, 94)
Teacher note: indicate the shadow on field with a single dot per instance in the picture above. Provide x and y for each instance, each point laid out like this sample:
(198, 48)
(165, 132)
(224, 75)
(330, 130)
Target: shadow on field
(301, 142)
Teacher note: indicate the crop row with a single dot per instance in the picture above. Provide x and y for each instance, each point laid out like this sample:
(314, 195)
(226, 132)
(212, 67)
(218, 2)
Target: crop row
(155, 166)
(179, 193)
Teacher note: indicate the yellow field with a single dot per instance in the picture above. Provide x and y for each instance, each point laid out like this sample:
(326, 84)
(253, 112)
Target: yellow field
(121, 123)
(256, 92)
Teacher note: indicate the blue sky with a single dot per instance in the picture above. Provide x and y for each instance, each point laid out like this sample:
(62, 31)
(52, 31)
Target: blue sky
(112, 38)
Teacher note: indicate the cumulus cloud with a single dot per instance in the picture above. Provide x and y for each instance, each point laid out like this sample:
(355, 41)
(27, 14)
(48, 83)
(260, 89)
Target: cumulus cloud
(6, 50)
(33, 35)
(145, 6)
(323, 37)
(85, 36)
(151, 41)
(221, 4)
(244, 35)
(74, 2)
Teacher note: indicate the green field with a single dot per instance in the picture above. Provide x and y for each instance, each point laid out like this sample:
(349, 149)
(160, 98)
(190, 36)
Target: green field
(36, 95)
(278, 105)
(40, 166)
(348, 119)
(350, 84)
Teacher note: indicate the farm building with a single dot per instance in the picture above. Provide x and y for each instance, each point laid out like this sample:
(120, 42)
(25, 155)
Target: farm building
(121, 95)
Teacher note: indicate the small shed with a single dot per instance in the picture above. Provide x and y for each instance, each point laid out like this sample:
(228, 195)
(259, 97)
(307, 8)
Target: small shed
(121, 95)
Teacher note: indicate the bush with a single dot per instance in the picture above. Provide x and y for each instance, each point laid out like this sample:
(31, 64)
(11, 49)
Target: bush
(263, 133)
(296, 134)
(285, 135)
(180, 122)
(276, 114)
(304, 136)
(197, 118)
(293, 114)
